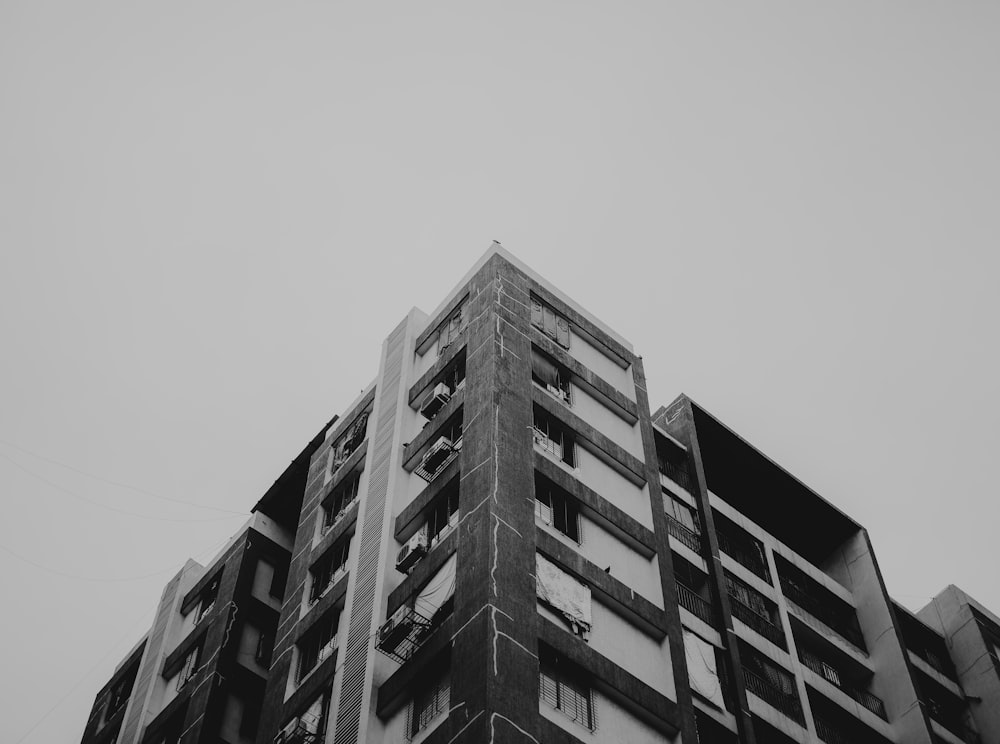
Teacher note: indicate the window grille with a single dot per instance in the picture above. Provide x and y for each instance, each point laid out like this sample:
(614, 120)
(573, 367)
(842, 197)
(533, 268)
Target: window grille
(429, 702)
(563, 687)
(554, 508)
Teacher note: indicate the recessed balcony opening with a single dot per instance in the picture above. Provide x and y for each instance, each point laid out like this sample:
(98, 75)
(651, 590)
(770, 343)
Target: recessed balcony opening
(839, 669)
(835, 726)
(925, 643)
(809, 596)
(693, 591)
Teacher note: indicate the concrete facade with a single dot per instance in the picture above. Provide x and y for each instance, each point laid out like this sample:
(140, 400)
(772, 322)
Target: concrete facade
(500, 541)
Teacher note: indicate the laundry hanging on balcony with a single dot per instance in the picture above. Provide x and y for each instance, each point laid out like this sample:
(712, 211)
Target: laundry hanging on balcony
(437, 591)
(702, 669)
(564, 593)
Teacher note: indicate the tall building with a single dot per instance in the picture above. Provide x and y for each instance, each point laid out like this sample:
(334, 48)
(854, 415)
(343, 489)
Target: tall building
(500, 541)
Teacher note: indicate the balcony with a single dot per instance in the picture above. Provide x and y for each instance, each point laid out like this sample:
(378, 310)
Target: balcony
(685, 535)
(677, 472)
(786, 703)
(758, 623)
(836, 678)
(831, 733)
(744, 549)
(698, 606)
(842, 620)
(299, 732)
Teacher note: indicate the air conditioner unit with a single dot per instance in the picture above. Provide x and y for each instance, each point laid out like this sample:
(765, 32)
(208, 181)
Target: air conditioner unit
(413, 551)
(440, 395)
(396, 629)
(437, 455)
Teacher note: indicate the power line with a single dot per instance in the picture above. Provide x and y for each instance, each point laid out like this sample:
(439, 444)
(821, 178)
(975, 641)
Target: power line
(115, 483)
(56, 486)
(80, 681)
(76, 577)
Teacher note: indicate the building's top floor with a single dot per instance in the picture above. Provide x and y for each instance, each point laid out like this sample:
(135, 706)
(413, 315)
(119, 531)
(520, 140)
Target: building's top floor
(498, 250)
(757, 487)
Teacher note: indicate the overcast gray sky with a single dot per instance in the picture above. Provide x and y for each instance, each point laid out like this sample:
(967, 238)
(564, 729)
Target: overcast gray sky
(212, 213)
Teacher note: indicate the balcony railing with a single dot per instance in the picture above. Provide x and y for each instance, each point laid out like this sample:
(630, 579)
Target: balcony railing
(838, 621)
(758, 623)
(746, 558)
(954, 724)
(687, 536)
(835, 678)
(774, 696)
(676, 472)
(830, 733)
(693, 603)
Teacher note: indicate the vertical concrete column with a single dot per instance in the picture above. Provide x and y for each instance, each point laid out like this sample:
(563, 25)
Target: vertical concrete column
(679, 421)
(494, 654)
(675, 632)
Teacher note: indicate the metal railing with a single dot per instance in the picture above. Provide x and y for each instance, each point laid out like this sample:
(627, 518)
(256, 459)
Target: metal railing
(830, 733)
(744, 557)
(774, 696)
(838, 621)
(687, 536)
(693, 603)
(758, 623)
(678, 473)
(835, 678)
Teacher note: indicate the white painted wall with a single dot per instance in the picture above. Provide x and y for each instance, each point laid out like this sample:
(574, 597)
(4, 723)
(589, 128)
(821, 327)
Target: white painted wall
(631, 649)
(603, 366)
(631, 499)
(597, 414)
(262, 577)
(603, 549)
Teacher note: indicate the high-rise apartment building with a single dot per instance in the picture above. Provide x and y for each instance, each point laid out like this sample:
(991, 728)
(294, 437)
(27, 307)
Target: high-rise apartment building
(500, 541)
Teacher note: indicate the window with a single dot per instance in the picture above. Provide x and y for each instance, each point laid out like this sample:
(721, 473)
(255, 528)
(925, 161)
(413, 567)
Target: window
(443, 515)
(340, 499)
(430, 701)
(563, 686)
(349, 441)
(206, 602)
(327, 570)
(681, 512)
(318, 643)
(310, 725)
(550, 376)
(452, 328)
(555, 508)
(265, 647)
(189, 668)
(549, 322)
(552, 438)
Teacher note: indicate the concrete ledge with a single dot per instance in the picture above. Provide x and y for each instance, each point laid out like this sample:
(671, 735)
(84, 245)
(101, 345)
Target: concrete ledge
(628, 464)
(631, 527)
(343, 527)
(431, 431)
(653, 620)
(437, 369)
(311, 685)
(427, 335)
(661, 711)
(615, 400)
(328, 600)
(553, 733)
(618, 353)
(394, 691)
(405, 522)
(423, 571)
